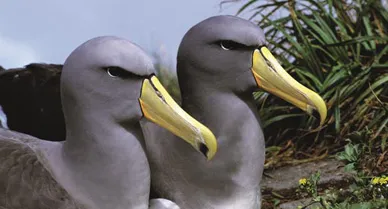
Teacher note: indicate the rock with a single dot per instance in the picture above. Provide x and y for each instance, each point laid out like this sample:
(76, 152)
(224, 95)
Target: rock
(287, 177)
(31, 100)
(282, 183)
(296, 203)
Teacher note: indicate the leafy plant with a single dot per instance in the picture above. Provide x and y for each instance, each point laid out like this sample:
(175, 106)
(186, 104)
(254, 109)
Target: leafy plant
(338, 49)
(351, 155)
(310, 185)
(372, 195)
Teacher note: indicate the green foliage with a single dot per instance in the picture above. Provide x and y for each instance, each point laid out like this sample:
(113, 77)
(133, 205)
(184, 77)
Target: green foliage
(336, 48)
(310, 185)
(374, 194)
(364, 187)
(351, 155)
(365, 192)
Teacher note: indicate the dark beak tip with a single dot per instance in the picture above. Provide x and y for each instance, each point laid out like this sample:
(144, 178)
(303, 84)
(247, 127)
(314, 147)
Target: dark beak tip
(315, 114)
(204, 149)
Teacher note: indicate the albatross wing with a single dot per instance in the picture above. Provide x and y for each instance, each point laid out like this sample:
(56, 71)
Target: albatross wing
(23, 178)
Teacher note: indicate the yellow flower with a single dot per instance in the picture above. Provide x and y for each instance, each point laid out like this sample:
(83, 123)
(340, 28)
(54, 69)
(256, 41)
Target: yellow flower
(383, 180)
(302, 181)
(379, 180)
(375, 180)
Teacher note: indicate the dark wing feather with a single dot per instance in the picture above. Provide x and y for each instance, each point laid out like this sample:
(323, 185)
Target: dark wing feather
(24, 182)
(31, 100)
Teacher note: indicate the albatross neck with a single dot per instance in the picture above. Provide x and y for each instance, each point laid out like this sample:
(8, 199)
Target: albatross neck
(239, 161)
(218, 109)
(104, 163)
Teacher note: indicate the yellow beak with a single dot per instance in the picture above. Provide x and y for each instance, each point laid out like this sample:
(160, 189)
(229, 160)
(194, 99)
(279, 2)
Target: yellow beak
(159, 107)
(271, 76)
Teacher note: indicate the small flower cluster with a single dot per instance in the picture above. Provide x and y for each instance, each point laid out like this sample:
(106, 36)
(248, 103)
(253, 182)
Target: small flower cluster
(380, 180)
(380, 186)
(303, 181)
(306, 187)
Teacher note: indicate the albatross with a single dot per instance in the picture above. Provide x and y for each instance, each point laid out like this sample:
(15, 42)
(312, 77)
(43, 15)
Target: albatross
(220, 62)
(107, 87)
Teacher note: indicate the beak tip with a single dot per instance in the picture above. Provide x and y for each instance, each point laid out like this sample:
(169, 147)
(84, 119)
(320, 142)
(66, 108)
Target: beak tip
(318, 108)
(322, 109)
(318, 113)
(204, 149)
(209, 157)
(210, 154)
(209, 145)
(321, 123)
(212, 150)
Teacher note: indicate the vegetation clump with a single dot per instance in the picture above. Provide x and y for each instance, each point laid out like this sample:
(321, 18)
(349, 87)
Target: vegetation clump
(338, 49)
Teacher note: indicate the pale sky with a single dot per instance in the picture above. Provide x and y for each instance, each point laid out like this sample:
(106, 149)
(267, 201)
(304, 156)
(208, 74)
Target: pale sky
(48, 30)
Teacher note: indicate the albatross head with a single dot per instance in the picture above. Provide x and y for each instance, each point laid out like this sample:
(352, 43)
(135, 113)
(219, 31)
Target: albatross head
(230, 54)
(115, 78)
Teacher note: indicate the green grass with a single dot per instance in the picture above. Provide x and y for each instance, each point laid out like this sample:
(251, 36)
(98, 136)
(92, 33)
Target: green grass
(338, 49)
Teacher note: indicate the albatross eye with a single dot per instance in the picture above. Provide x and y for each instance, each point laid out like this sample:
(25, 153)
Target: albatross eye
(231, 45)
(117, 72)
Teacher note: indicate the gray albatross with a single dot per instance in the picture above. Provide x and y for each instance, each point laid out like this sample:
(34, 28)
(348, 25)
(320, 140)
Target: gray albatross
(107, 87)
(220, 61)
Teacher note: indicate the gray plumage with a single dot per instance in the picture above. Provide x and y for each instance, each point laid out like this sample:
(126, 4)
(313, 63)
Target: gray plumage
(102, 163)
(221, 61)
(216, 88)
(24, 181)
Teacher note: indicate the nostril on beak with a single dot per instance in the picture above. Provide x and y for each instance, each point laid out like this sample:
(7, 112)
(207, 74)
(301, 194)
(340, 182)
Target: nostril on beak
(203, 148)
